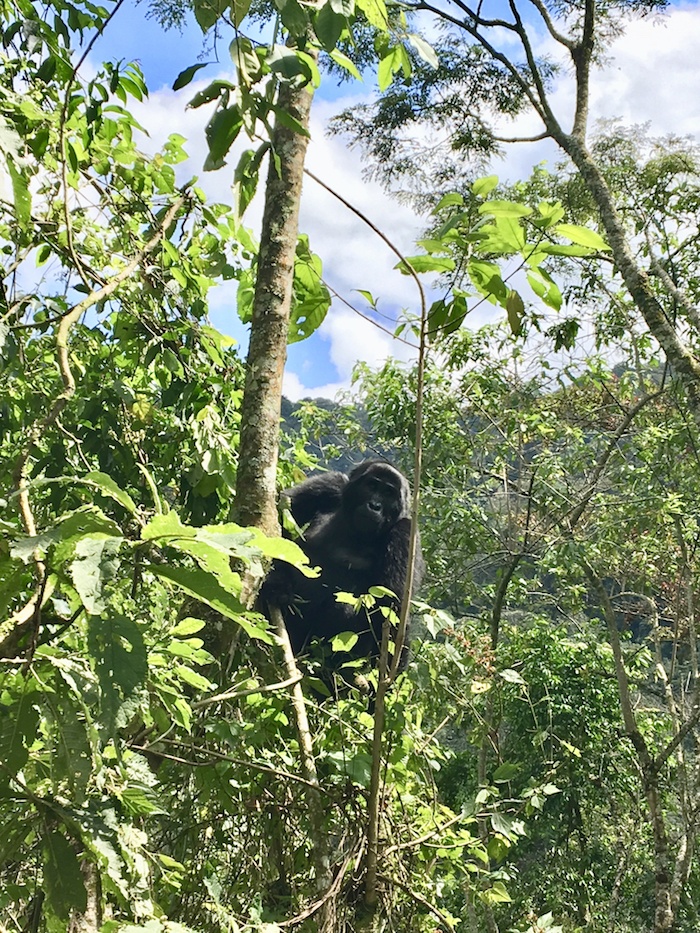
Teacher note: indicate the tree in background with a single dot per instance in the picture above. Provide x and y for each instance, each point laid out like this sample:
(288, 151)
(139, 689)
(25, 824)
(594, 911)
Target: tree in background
(480, 50)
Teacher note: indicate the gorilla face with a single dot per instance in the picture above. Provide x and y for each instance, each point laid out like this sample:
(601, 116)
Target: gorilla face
(375, 497)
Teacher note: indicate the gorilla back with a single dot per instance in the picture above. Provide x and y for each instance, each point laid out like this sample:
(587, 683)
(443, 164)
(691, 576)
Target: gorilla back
(356, 528)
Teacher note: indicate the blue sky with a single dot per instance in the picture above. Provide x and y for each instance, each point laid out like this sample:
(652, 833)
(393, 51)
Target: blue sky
(651, 77)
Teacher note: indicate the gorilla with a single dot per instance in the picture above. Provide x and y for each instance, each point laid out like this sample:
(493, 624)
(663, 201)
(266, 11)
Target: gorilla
(356, 528)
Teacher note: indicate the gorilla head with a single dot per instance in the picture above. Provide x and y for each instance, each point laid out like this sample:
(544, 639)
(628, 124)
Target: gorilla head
(374, 499)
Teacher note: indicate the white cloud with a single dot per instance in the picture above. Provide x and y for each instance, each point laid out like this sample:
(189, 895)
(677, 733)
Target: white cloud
(353, 256)
(653, 74)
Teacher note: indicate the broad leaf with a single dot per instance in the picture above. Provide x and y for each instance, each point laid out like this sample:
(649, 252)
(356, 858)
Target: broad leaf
(63, 881)
(205, 587)
(583, 236)
(95, 565)
(186, 76)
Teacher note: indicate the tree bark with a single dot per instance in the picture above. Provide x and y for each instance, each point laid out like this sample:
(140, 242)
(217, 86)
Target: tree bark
(256, 489)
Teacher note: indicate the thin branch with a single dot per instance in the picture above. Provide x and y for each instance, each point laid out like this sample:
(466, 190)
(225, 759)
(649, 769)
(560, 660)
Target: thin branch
(234, 693)
(492, 50)
(426, 837)
(575, 514)
(674, 291)
(419, 899)
(213, 757)
(328, 896)
(545, 110)
(522, 139)
(551, 28)
(368, 318)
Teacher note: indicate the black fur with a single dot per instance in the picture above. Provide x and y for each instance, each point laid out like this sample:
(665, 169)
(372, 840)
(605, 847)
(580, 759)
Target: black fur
(356, 528)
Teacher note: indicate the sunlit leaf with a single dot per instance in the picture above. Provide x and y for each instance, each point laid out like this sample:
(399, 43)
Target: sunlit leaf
(583, 236)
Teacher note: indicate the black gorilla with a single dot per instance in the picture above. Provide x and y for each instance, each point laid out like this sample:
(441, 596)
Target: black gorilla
(356, 528)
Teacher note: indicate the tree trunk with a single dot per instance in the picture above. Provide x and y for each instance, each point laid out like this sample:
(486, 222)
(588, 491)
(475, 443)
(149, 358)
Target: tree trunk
(256, 482)
(256, 490)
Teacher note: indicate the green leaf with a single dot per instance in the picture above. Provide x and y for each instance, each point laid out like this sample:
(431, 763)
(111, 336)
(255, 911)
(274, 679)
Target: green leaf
(344, 641)
(246, 176)
(511, 676)
(106, 485)
(211, 92)
(387, 67)
(18, 725)
(503, 824)
(188, 626)
(20, 193)
(245, 57)
(205, 587)
(497, 894)
(329, 26)
(292, 63)
(583, 236)
(239, 11)
(10, 140)
(486, 276)
(559, 249)
(545, 287)
(63, 881)
(221, 132)
(452, 199)
(516, 311)
(483, 187)
(294, 16)
(95, 565)
(340, 58)
(375, 13)
(87, 520)
(208, 12)
(505, 209)
(73, 753)
(186, 76)
(286, 119)
(116, 646)
(426, 264)
(505, 772)
(550, 214)
(42, 254)
(424, 50)
(140, 800)
(188, 676)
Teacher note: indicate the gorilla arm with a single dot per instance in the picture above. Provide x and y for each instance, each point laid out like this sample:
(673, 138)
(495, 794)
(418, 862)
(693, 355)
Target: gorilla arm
(394, 571)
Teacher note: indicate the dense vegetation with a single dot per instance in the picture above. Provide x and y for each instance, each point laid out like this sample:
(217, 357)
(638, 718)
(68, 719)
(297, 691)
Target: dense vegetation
(538, 762)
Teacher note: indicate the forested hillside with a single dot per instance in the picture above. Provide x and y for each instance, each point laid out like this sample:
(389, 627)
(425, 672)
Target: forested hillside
(167, 764)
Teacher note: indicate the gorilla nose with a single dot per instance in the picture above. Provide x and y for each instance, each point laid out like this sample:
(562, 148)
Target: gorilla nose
(374, 506)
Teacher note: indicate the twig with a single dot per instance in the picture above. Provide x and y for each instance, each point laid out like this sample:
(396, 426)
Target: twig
(420, 900)
(213, 756)
(234, 693)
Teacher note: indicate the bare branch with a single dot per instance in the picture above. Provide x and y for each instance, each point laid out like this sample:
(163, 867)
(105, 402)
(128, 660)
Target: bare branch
(551, 28)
